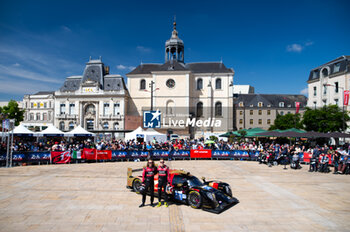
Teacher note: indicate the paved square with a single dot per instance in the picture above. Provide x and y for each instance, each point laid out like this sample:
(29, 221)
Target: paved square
(93, 197)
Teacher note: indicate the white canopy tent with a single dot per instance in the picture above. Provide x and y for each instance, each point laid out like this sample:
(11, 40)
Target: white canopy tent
(79, 132)
(22, 131)
(138, 133)
(153, 134)
(51, 131)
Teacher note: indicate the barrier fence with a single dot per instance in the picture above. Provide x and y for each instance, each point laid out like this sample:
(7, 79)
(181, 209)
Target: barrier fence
(55, 157)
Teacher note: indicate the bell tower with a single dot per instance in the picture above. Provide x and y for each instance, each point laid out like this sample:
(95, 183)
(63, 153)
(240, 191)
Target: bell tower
(174, 47)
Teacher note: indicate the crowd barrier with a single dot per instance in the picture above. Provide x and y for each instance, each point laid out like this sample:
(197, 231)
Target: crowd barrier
(118, 155)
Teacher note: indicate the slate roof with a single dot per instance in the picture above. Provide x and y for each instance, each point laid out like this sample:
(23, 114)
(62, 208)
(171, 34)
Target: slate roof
(202, 67)
(44, 93)
(344, 67)
(252, 100)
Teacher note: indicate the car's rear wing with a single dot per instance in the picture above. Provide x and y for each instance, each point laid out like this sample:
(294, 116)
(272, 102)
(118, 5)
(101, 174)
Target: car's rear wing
(130, 171)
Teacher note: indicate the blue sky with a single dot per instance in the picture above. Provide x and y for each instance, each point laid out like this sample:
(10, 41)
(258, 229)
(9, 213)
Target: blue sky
(271, 45)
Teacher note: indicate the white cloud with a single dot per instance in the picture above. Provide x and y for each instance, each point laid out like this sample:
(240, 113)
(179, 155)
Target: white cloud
(143, 49)
(298, 47)
(123, 67)
(65, 28)
(294, 48)
(23, 87)
(304, 91)
(16, 65)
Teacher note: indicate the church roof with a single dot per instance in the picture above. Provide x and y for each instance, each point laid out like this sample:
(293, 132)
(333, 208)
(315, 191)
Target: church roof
(173, 65)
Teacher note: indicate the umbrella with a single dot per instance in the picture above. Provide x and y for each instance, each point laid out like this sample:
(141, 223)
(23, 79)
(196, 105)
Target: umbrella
(227, 134)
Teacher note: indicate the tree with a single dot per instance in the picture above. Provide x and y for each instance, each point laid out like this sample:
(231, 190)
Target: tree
(283, 122)
(12, 111)
(326, 119)
(243, 133)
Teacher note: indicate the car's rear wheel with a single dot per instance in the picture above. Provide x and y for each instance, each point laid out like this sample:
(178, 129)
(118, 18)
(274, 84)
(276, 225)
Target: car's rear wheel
(136, 185)
(194, 199)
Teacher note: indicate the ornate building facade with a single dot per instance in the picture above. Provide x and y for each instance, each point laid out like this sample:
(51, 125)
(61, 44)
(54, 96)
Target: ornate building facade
(183, 91)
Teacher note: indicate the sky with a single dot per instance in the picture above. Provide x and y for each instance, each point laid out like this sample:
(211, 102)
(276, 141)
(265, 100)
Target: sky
(271, 45)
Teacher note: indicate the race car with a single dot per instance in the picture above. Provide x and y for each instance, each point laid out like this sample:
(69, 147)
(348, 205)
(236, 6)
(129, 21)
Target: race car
(213, 196)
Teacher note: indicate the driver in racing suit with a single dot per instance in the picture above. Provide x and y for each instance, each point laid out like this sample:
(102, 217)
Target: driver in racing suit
(148, 181)
(163, 180)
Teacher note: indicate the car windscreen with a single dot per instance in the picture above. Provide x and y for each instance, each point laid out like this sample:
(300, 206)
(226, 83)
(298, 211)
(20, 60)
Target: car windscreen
(194, 181)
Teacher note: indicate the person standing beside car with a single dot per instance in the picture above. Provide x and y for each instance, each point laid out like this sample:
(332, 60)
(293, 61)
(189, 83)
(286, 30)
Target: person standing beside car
(163, 180)
(148, 181)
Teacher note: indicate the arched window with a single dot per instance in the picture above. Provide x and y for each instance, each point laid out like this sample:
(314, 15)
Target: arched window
(62, 126)
(170, 107)
(199, 110)
(281, 104)
(325, 72)
(218, 83)
(116, 126)
(105, 125)
(143, 84)
(71, 125)
(199, 84)
(90, 109)
(218, 109)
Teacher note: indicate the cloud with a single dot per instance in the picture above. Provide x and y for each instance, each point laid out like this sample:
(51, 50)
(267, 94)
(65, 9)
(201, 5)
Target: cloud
(298, 47)
(143, 49)
(16, 64)
(304, 91)
(23, 87)
(123, 67)
(65, 28)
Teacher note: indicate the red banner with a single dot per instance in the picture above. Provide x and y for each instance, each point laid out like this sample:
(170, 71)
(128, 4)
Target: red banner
(204, 153)
(297, 106)
(104, 155)
(346, 97)
(307, 157)
(89, 154)
(60, 157)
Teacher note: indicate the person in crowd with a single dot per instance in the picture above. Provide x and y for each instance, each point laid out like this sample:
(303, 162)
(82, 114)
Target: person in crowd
(148, 181)
(324, 163)
(163, 181)
(336, 159)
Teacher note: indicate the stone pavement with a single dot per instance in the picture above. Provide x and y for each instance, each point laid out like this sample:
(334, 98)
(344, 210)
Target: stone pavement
(93, 197)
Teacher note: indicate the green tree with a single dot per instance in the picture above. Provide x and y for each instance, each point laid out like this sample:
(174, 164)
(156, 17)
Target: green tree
(283, 122)
(243, 133)
(12, 111)
(326, 119)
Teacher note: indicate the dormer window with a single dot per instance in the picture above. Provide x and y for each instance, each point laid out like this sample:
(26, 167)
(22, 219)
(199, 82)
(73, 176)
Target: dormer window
(269, 105)
(325, 72)
(336, 67)
(281, 104)
(289, 105)
(251, 105)
(260, 104)
(241, 104)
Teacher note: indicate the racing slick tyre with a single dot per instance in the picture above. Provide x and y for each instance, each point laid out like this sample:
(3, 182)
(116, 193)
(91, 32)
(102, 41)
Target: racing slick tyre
(194, 199)
(136, 184)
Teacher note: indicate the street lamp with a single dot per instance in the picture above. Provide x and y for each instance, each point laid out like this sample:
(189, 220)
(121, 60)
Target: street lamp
(234, 110)
(342, 101)
(151, 86)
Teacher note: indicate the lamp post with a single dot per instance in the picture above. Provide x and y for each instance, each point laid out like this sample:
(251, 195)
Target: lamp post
(151, 86)
(342, 101)
(234, 109)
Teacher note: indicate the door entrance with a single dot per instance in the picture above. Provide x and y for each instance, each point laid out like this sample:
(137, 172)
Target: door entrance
(89, 124)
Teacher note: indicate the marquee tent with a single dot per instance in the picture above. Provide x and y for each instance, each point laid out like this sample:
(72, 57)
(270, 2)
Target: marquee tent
(79, 132)
(22, 131)
(145, 135)
(153, 134)
(51, 131)
(138, 133)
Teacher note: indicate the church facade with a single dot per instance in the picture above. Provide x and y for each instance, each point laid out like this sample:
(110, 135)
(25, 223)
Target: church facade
(183, 92)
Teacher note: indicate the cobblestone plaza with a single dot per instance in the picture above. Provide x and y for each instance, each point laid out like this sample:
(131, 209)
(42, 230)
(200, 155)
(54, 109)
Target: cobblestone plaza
(93, 197)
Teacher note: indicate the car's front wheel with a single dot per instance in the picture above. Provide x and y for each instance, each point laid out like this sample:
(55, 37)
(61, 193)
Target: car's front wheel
(136, 184)
(194, 199)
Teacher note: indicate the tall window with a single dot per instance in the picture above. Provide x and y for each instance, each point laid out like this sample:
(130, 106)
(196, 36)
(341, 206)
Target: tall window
(45, 116)
(31, 105)
(336, 89)
(38, 105)
(241, 121)
(199, 111)
(106, 109)
(240, 112)
(71, 125)
(281, 104)
(281, 113)
(218, 109)
(116, 126)
(72, 109)
(251, 121)
(45, 105)
(260, 121)
(199, 84)
(143, 84)
(105, 125)
(90, 109)
(260, 112)
(116, 108)
(62, 108)
(251, 112)
(31, 116)
(170, 107)
(218, 83)
(325, 89)
(38, 116)
(268, 112)
(336, 101)
(269, 121)
(62, 126)
(315, 92)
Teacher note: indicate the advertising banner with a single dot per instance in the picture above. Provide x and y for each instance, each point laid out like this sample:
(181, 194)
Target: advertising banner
(254, 155)
(157, 154)
(89, 154)
(19, 156)
(306, 157)
(180, 154)
(38, 156)
(104, 154)
(297, 106)
(239, 154)
(119, 155)
(205, 153)
(2, 157)
(221, 154)
(139, 154)
(346, 97)
(60, 157)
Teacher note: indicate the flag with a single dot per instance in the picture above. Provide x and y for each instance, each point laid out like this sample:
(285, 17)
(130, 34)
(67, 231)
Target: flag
(297, 106)
(346, 97)
(76, 154)
(60, 157)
